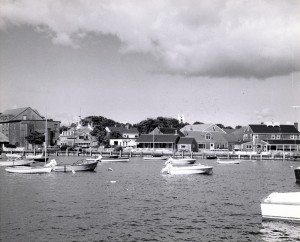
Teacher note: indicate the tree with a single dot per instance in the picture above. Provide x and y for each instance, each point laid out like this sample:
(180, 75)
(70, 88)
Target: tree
(35, 138)
(238, 127)
(197, 122)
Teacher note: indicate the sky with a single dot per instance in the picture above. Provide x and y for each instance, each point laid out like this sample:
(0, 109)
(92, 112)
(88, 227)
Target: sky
(234, 62)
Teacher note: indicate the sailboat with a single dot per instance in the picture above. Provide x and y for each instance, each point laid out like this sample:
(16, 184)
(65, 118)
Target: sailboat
(47, 168)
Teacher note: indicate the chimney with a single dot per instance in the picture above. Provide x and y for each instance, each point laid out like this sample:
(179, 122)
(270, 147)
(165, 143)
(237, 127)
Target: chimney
(296, 126)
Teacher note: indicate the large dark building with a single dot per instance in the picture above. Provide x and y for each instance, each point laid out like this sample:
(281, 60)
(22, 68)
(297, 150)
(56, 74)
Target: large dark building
(18, 123)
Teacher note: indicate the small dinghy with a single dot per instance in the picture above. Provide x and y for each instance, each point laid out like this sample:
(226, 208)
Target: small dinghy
(16, 162)
(155, 158)
(111, 159)
(28, 169)
(39, 157)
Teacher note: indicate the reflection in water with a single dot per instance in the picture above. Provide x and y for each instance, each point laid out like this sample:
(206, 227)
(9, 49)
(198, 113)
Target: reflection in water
(274, 231)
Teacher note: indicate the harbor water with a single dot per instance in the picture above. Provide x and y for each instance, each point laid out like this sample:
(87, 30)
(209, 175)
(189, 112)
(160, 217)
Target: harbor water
(133, 201)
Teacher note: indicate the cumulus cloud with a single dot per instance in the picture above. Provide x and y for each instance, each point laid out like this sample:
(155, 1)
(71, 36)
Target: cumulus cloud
(214, 38)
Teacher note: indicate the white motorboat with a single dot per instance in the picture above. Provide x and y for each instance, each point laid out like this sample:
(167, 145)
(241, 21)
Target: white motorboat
(29, 169)
(187, 170)
(228, 161)
(16, 162)
(281, 206)
(182, 161)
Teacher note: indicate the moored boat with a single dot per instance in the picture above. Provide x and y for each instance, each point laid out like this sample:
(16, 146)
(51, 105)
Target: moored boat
(187, 170)
(13, 156)
(80, 165)
(182, 161)
(228, 161)
(28, 169)
(155, 157)
(281, 206)
(16, 162)
(211, 157)
(109, 159)
(39, 157)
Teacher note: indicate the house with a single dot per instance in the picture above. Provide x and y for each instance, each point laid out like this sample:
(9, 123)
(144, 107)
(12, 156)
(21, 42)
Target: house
(207, 136)
(158, 142)
(79, 136)
(3, 140)
(18, 123)
(187, 144)
(122, 136)
(271, 137)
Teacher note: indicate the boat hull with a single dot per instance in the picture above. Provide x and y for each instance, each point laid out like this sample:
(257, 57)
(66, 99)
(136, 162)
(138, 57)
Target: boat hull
(188, 170)
(155, 158)
(16, 162)
(29, 170)
(281, 206)
(228, 162)
(115, 160)
(297, 174)
(183, 161)
(76, 167)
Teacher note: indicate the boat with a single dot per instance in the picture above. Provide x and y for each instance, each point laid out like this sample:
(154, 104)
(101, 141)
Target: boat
(211, 157)
(16, 162)
(228, 161)
(297, 174)
(187, 170)
(13, 156)
(29, 169)
(155, 157)
(182, 161)
(39, 157)
(109, 159)
(80, 165)
(281, 206)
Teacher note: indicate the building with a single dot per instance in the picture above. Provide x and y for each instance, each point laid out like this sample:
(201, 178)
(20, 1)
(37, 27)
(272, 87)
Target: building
(187, 144)
(122, 136)
(207, 136)
(271, 137)
(79, 136)
(18, 123)
(166, 142)
(3, 140)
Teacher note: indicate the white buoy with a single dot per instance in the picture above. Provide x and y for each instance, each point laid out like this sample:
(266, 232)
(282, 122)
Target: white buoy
(110, 169)
(113, 181)
(73, 171)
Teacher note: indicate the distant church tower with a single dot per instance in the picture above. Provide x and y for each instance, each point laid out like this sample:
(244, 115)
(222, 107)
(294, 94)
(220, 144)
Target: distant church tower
(180, 118)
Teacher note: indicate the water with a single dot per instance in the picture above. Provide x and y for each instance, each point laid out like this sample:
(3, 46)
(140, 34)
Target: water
(135, 202)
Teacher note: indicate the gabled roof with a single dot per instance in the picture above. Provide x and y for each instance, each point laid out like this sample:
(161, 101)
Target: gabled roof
(161, 138)
(202, 127)
(3, 138)
(167, 131)
(186, 140)
(13, 113)
(123, 130)
(281, 129)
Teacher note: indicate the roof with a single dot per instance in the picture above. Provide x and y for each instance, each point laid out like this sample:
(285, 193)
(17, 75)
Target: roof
(14, 113)
(186, 140)
(282, 142)
(124, 130)
(202, 127)
(160, 138)
(3, 138)
(281, 129)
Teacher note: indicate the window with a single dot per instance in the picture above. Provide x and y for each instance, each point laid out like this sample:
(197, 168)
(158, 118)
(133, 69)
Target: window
(278, 136)
(183, 146)
(201, 146)
(248, 146)
(255, 136)
(273, 136)
(207, 136)
(24, 117)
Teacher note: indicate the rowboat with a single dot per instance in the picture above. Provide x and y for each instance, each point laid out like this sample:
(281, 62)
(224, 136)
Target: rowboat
(29, 169)
(182, 161)
(187, 170)
(155, 158)
(228, 161)
(80, 165)
(281, 206)
(110, 159)
(16, 162)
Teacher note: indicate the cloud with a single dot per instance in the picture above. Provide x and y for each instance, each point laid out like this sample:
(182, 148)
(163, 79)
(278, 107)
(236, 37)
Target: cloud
(263, 115)
(249, 39)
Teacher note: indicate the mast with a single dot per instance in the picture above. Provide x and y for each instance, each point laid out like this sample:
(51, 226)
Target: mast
(46, 137)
